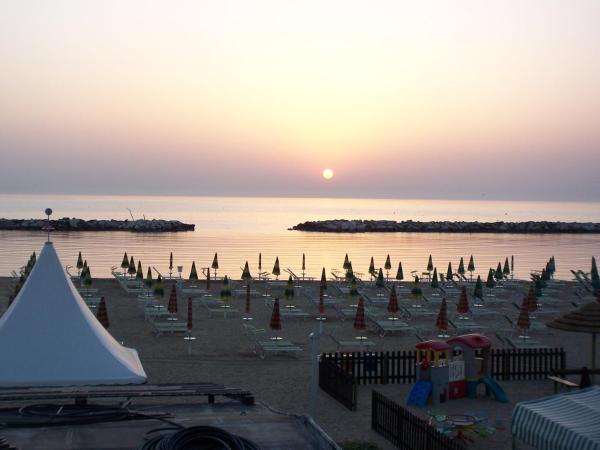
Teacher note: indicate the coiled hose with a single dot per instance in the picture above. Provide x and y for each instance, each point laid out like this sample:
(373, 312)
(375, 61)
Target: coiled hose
(198, 438)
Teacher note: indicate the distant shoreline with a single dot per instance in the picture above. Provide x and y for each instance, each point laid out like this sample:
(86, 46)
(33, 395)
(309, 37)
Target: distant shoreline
(74, 224)
(410, 226)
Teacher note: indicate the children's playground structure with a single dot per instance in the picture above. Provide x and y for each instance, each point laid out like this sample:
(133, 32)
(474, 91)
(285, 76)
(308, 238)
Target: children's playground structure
(453, 369)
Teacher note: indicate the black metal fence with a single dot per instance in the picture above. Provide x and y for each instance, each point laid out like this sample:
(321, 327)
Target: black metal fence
(338, 383)
(404, 429)
(526, 364)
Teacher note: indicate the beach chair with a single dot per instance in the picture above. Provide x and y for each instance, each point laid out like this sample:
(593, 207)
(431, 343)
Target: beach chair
(217, 307)
(262, 346)
(387, 326)
(345, 344)
(171, 326)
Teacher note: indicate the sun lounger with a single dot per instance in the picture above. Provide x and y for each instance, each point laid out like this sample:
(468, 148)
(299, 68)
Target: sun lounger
(173, 326)
(262, 346)
(467, 325)
(295, 312)
(386, 326)
(218, 308)
(343, 344)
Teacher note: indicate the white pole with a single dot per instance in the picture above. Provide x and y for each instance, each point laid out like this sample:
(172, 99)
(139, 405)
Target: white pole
(314, 375)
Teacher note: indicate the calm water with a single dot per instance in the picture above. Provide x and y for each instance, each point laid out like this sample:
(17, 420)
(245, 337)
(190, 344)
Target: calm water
(239, 228)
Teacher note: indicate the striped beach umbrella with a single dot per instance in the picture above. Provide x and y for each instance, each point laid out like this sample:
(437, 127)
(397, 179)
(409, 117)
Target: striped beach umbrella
(400, 272)
(323, 284)
(276, 271)
(189, 314)
(275, 323)
(471, 266)
(246, 276)
(131, 269)
(359, 319)
(531, 300)
(215, 263)
(79, 264)
(172, 306)
(346, 264)
(159, 288)
(193, 272)
(463, 303)
(102, 314)
(442, 320)
(247, 310)
(124, 263)
(392, 306)
(461, 267)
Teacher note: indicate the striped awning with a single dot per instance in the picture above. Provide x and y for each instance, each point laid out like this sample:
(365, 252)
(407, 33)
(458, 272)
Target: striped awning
(560, 422)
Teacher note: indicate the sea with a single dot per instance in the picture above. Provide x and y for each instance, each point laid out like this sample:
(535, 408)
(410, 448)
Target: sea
(238, 229)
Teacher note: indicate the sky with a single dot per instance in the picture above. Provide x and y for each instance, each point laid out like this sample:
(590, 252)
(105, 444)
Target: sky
(430, 99)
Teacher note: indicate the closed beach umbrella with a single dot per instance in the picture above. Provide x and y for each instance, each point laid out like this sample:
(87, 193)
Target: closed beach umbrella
(490, 283)
(353, 289)
(323, 279)
(506, 268)
(585, 319)
(372, 268)
(400, 272)
(171, 265)
(102, 314)
(208, 278)
(193, 272)
(159, 288)
(276, 271)
(247, 310)
(430, 264)
(288, 293)
(434, 279)
(512, 265)
(346, 262)
(80, 264)
(471, 266)
(380, 283)
(225, 290)
(215, 264)
(124, 263)
(139, 273)
(246, 276)
(259, 264)
(463, 302)
(349, 272)
(478, 291)
(149, 281)
(442, 319)
(392, 306)
(131, 269)
(172, 306)
(498, 275)
(416, 292)
(275, 323)
(359, 319)
(83, 271)
(189, 314)
(461, 267)
(387, 266)
(449, 273)
(523, 321)
(303, 264)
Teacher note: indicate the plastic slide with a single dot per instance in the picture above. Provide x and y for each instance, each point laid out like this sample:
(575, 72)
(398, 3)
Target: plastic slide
(495, 389)
(420, 393)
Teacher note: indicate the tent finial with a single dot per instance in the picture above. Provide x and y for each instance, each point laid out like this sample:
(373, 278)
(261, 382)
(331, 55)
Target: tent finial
(48, 227)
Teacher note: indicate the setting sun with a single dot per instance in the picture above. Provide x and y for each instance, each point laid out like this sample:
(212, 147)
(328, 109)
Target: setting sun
(328, 174)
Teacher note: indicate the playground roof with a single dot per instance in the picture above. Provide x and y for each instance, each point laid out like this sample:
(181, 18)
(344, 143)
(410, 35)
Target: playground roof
(438, 346)
(560, 422)
(474, 340)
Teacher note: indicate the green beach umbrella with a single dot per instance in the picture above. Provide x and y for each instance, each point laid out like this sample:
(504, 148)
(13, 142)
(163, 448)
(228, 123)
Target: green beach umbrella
(346, 262)
(33, 257)
(353, 289)
(215, 265)
(276, 271)
(139, 274)
(159, 288)
(490, 283)
(471, 266)
(288, 294)
(478, 291)
(506, 269)
(449, 273)
(193, 273)
(87, 280)
(349, 272)
(434, 279)
(594, 275)
(149, 282)
(498, 275)
(387, 266)
(131, 269)
(416, 291)
(380, 283)
(400, 273)
(323, 279)
(552, 265)
(84, 270)
(372, 268)
(430, 264)
(246, 273)
(225, 290)
(461, 266)
(79, 264)
(124, 262)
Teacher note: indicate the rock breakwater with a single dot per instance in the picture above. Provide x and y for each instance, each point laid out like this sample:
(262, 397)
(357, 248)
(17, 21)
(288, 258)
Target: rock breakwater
(74, 224)
(407, 226)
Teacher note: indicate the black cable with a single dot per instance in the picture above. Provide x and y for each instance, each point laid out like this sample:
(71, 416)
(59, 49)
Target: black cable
(199, 438)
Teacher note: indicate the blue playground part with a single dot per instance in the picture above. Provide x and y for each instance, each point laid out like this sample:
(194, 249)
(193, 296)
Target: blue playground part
(420, 393)
(492, 386)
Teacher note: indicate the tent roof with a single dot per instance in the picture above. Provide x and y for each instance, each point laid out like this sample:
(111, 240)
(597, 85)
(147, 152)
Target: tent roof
(585, 319)
(560, 422)
(49, 337)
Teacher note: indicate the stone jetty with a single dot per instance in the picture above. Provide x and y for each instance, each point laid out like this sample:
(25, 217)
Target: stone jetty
(74, 224)
(410, 226)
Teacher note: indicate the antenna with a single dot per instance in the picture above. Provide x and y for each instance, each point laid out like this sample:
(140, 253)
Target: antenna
(48, 227)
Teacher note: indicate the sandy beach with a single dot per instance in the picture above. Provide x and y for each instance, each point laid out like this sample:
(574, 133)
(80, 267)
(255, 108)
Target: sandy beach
(222, 353)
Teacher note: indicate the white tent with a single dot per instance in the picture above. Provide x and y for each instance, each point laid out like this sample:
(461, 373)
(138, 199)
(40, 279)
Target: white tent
(49, 337)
